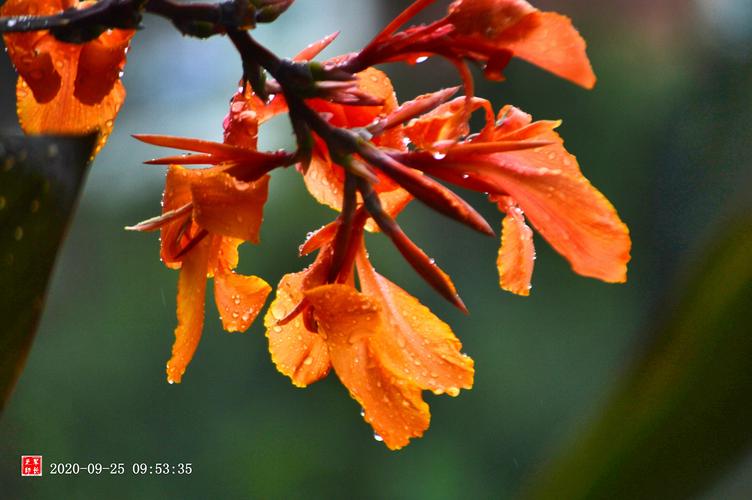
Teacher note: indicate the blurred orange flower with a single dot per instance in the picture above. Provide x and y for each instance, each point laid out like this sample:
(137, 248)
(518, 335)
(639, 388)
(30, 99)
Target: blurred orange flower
(66, 88)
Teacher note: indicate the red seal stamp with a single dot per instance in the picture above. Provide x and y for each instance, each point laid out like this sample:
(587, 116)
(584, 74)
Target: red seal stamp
(31, 465)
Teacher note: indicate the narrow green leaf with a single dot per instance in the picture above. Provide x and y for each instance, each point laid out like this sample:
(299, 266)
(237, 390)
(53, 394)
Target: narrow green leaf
(40, 178)
(683, 413)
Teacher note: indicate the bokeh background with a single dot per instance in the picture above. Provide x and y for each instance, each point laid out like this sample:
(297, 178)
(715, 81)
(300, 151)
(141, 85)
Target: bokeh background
(665, 135)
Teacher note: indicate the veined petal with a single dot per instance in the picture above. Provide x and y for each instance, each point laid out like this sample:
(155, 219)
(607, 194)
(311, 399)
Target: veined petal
(415, 343)
(573, 216)
(548, 40)
(229, 207)
(239, 299)
(297, 352)
(191, 295)
(392, 405)
(516, 253)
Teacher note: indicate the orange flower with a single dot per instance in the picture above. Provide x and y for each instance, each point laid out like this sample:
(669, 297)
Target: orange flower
(324, 178)
(206, 214)
(486, 31)
(495, 30)
(384, 345)
(66, 88)
(525, 168)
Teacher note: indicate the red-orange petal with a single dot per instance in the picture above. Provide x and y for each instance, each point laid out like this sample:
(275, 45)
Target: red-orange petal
(448, 122)
(239, 299)
(487, 18)
(191, 295)
(572, 215)
(517, 253)
(392, 405)
(297, 352)
(548, 40)
(100, 64)
(415, 343)
(226, 206)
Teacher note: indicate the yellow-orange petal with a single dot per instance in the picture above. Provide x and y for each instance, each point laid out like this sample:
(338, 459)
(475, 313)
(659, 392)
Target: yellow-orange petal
(226, 206)
(65, 114)
(191, 295)
(548, 40)
(414, 342)
(517, 253)
(223, 254)
(297, 352)
(239, 299)
(392, 405)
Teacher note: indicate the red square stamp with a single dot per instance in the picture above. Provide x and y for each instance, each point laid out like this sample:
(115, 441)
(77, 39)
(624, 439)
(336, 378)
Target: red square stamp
(31, 465)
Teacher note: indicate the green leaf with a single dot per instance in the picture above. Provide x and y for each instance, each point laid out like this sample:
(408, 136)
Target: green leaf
(40, 178)
(683, 413)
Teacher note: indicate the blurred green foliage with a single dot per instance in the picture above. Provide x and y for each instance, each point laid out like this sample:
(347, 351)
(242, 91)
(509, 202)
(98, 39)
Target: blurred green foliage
(664, 136)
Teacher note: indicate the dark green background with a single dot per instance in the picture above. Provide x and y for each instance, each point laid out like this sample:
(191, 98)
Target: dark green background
(665, 135)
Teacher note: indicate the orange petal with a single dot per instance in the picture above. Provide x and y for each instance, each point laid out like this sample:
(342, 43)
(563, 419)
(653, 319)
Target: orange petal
(35, 67)
(516, 253)
(549, 40)
(239, 299)
(325, 182)
(416, 344)
(99, 66)
(177, 194)
(226, 206)
(297, 352)
(317, 239)
(65, 114)
(571, 214)
(447, 122)
(191, 295)
(487, 18)
(393, 406)
(223, 255)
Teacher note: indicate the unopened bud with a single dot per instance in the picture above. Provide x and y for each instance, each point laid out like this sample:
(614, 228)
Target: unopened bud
(269, 10)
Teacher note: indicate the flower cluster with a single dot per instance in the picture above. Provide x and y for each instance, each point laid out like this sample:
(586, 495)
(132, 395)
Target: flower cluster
(366, 155)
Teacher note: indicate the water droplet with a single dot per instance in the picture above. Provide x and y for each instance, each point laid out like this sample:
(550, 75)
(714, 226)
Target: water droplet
(377, 437)
(453, 391)
(52, 151)
(10, 23)
(277, 329)
(439, 156)
(308, 361)
(362, 413)
(278, 312)
(421, 59)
